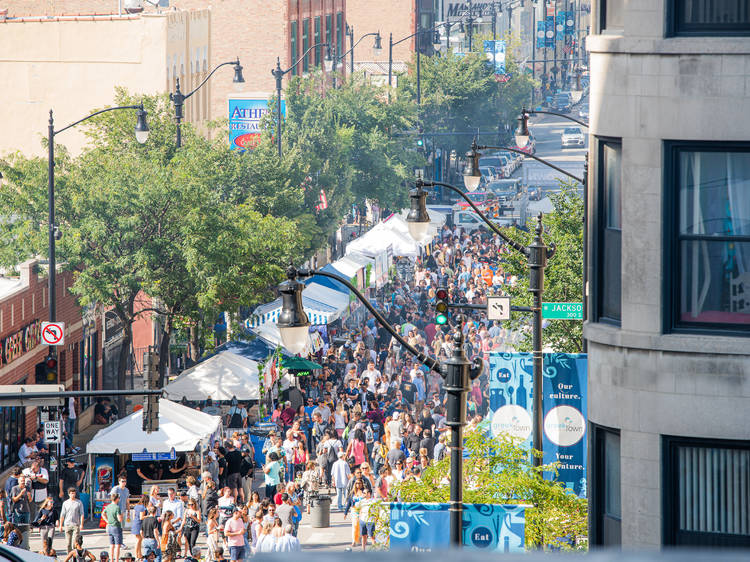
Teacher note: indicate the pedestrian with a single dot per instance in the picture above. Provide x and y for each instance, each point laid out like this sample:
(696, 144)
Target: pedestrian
(20, 500)
(12, 536)
(191, 525)
(122, 491)
(174, 505)
(139, 512)
(310, 483)
(341, 474)
(234, 531)
(212, 532)
(39, 478)
(113, 517)
(45, 521)
(150, 532)
(266, 542)
(78, 553)
(288, 542)
(366, 522)
(273, 474)
(70, 477)
(170, 546)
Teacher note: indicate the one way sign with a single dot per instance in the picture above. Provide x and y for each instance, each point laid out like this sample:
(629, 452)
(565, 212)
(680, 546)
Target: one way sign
(498, 308)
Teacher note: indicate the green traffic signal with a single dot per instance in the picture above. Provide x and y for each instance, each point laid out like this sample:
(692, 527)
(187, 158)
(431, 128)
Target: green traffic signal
(441, 306)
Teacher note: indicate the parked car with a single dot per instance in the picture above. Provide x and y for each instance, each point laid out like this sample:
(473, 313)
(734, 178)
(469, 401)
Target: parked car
(563, 102)
(480, 198)
(572, 136)
(495, 162)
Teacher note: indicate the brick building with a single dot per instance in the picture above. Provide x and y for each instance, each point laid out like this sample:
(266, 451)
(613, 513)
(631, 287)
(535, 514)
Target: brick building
(23, 307)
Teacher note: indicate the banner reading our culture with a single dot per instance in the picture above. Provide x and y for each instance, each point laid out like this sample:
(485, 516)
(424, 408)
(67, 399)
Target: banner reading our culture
(564, 407)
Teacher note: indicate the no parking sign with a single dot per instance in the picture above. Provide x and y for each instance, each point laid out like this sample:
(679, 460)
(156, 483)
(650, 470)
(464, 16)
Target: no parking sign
(53, 333)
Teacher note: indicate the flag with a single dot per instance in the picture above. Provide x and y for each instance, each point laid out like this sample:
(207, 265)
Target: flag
(270, 371)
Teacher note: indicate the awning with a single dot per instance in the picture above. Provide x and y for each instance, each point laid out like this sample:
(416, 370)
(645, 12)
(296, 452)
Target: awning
(322, 305)
(299, 364)
(379, 238)
(352, 263)
(328, 282)
(221, 376)
(180, 428)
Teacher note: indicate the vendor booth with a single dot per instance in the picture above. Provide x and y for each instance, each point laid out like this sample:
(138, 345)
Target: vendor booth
(379, 238)
(183, 434)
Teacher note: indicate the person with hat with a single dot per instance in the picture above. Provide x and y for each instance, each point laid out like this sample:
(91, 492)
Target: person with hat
(103, 556)
(128, 557)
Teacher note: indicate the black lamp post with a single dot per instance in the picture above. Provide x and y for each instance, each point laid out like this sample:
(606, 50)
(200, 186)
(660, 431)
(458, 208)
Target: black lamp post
(141, 136)
(278, 74)
(392, 43)
(457, 371)
(178, 98)
(377, 48)
(537, 254)
(522, 139)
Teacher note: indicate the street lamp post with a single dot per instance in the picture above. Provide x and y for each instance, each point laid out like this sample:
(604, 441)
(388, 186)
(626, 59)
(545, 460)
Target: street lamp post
(457, 371)
(522, 139)
(178, 98)
(141, 136)
(377, 48)
(278, 74)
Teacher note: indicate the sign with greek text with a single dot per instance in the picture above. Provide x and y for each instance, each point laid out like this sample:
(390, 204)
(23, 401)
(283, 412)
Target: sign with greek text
(245, 116)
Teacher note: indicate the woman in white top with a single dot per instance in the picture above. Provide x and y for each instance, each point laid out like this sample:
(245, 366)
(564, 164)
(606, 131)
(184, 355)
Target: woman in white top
(340, 419)
(266, 542)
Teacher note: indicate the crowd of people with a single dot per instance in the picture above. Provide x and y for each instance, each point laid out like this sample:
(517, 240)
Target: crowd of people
(373, 416)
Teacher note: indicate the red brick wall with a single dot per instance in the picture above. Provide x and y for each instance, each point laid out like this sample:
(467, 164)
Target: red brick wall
(29, 304)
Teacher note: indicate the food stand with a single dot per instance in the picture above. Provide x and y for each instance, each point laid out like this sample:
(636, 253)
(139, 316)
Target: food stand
(182, 430)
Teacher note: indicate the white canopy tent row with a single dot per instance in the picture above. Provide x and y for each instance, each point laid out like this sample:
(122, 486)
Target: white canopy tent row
(379, 238)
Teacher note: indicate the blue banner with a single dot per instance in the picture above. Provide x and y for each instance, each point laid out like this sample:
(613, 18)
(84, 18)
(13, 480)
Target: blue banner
(560, 26)
(245, 115)
(570, 23)
(540, 35)
(423, 527)
(495, 51)
(549, 32)
(564, 408)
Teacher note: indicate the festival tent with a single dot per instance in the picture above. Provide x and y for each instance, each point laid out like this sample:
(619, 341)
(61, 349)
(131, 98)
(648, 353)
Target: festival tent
(327, 281)
(379, 238)
(232, 370)
(180, 428)
(321, 303)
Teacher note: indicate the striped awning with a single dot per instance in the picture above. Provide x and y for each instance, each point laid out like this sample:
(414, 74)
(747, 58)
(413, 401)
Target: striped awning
(318, 312)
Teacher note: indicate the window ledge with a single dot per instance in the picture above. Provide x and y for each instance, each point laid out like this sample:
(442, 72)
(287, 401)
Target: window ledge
(698, 45)
(605, 334)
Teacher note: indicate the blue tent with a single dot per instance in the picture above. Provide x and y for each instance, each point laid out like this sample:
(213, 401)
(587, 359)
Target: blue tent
(256, 350)
(327, 281)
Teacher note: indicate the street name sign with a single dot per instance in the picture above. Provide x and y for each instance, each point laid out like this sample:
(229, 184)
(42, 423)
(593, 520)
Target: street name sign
(498, 308)
(562, 310)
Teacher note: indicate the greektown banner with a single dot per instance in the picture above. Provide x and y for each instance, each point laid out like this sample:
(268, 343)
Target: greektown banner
(245, 115)
(564, 400)
(422, 527)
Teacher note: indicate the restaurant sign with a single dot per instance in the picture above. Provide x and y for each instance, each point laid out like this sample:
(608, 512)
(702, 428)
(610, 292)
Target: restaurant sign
(18, 343)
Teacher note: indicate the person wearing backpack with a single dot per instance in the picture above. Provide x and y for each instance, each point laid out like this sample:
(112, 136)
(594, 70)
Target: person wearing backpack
(78, 553)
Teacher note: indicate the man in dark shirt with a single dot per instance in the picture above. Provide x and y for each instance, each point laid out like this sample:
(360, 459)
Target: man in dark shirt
(234, 467)
(408, 389)
(412, 441)
(287, 415)
(427, 442)
(71, 477)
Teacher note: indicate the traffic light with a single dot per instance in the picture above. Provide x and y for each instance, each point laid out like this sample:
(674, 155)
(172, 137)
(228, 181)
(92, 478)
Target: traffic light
(420, 143)
(151, 404)
(50, 368)
(441, 306)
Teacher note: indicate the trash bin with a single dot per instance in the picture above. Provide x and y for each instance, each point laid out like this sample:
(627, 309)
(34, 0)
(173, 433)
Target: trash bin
(320, 511)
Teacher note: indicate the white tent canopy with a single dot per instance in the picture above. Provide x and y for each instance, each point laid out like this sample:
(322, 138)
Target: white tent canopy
(180, 428)
(351, 263)
(221, 377)
(379, 238)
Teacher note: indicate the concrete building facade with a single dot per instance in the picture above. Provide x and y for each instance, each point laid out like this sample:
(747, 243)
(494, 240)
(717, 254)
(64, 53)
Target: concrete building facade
(668, 288)
(72, 64)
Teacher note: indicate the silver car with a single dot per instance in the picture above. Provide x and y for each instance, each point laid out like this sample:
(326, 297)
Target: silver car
(572, 136)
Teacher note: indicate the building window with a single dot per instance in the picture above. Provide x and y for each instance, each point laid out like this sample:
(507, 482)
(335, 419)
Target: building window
(706, 492)
(293, 46)
(305, 44)
(339, 32)
(608, 286)
(607, 516)
(611, 15)
(317, 40)
(329, 30)
(707, 236)
(708, 17)
(13, 432)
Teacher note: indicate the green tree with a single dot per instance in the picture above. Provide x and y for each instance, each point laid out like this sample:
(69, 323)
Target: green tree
(498, 470)
(564, 272)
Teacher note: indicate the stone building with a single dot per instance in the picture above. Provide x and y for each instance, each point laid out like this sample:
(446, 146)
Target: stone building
(669, 273)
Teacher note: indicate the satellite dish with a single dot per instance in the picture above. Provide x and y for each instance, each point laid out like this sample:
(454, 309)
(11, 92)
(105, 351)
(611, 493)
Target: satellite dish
(132, 6)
